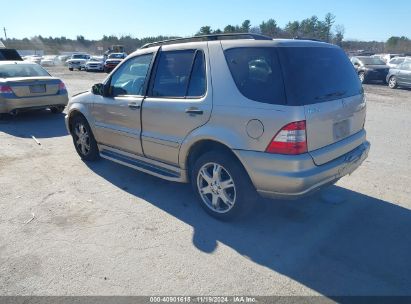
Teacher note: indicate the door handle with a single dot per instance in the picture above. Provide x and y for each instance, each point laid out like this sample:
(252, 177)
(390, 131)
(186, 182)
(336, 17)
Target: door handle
(194, 111)
(134, 106)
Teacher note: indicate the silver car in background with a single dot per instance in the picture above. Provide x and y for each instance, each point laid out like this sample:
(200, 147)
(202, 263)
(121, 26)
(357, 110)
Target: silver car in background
(233, 115)
(25, 86)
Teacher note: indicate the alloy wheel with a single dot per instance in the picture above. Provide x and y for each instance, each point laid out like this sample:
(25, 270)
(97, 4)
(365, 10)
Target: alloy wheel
(392, 83)
(82, 138)
(216, 187)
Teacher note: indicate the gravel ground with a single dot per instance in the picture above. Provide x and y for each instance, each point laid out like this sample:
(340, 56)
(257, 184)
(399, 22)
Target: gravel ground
(71, 228)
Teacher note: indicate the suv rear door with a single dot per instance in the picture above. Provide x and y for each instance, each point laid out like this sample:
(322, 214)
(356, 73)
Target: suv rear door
(323, 80)
(179, 100)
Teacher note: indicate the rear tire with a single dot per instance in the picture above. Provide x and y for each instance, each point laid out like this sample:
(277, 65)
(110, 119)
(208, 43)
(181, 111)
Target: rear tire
(222, 186)
(392, 82)
(83, 139)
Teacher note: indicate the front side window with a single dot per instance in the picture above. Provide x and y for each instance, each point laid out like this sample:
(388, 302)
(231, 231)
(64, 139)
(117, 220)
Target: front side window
(129, 79)
(180, 74)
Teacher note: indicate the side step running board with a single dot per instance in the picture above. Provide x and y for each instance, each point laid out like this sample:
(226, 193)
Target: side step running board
(142, 166)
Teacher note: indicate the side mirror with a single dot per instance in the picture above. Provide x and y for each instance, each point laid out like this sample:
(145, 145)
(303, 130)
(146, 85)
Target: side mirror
(98, 89)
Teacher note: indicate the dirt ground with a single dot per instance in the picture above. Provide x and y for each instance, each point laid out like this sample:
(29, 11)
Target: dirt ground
(72, 228)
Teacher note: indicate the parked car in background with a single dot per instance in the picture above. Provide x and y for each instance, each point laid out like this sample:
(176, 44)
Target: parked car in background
(78, 61)
(400, 76)
(221, 114)
(25, 86)
(370, 68)
(113, 60)
(49, 60)
(396, 61)
(96, 63)
(33, 58)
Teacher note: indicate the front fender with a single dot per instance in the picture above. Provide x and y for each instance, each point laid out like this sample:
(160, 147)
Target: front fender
(81, 104)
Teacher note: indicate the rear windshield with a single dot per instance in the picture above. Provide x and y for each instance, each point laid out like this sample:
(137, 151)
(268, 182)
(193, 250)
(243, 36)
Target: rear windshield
(79, 56)
(306, 75)
(317, 74)
(371, 61)
(21, 70)
(120, 56)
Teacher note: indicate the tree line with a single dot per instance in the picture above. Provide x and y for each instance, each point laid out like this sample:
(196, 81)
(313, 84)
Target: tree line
(312, 28)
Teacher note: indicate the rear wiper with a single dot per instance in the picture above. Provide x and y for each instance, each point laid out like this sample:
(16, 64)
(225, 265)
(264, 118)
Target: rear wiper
(333, 94)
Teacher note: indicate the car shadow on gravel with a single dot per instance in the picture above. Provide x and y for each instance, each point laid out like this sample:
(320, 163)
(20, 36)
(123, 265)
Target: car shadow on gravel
(338, 242)
(40, 124)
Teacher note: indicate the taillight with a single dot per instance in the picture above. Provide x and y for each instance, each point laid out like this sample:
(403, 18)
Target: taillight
(62, 86)
(291, 139)
(5, 89)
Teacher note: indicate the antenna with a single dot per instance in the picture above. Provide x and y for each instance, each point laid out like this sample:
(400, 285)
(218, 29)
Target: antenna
(5, 32)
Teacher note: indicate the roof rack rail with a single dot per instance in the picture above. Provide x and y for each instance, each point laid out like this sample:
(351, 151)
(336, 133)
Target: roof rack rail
(310, 39)
(213, 37)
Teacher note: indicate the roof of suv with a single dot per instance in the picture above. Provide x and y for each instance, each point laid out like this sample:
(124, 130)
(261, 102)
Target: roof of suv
(240, 40)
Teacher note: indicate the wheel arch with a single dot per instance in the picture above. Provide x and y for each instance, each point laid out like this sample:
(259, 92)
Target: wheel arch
(203, 146)
(78, 109)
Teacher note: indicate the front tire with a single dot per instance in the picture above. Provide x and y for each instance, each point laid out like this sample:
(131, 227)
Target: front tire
(83, 139)
(222, 185)
(392, 82)
(70, 69)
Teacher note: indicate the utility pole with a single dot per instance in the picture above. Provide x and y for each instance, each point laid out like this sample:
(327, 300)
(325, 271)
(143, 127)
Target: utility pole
(5, 32)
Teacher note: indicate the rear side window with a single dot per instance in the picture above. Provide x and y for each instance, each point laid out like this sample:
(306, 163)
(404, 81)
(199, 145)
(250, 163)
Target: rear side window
(257, 74)
(317, 74)
(180, 74)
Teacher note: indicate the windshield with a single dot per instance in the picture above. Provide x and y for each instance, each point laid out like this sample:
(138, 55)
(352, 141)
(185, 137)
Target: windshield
(21, 70)
(79, 56)
(371, 61)
(120, 56)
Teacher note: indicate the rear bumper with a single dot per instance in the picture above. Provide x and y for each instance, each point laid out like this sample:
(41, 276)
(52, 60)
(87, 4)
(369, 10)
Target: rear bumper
(291, 177)
(8, 105)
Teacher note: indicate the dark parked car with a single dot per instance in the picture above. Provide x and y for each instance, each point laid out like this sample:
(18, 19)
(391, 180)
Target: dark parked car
(400, 76)
(370, 68)
(9, 54)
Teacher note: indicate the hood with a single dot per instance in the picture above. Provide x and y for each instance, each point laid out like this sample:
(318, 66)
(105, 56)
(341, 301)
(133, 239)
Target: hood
(79, 59)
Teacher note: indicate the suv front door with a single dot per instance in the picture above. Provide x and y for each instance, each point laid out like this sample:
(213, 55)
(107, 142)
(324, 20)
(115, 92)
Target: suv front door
(179, 100)
(117, 115)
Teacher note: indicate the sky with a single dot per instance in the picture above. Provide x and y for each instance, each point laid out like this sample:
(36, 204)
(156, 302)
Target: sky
(362, 19)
